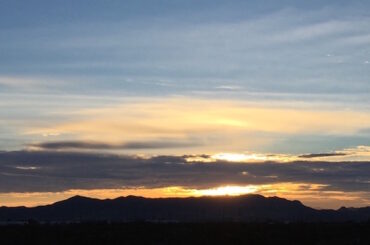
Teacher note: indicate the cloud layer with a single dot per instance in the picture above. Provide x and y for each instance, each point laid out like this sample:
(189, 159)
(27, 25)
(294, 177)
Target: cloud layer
(23, 171)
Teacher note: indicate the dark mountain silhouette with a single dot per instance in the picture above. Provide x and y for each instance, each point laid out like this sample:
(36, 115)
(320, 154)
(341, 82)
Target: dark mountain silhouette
(247, 208)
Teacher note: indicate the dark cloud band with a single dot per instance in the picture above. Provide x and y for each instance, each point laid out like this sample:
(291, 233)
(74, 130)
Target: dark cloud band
(132, 145)
(27, 171)
(314, 155)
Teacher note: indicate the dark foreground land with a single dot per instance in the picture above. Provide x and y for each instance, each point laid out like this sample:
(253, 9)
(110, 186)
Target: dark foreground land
(187, 233)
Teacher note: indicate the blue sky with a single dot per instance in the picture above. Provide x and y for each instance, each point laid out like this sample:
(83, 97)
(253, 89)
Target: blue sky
(268, 80)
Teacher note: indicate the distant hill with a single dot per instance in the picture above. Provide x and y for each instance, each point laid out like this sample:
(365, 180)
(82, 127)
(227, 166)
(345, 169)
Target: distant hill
(246, 208)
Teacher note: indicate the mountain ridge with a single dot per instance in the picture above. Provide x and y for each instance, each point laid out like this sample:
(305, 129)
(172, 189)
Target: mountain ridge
(244, 208)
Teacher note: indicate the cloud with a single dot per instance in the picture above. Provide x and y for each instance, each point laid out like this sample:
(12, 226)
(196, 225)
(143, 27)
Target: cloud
(35, 171)
(314, 155)
(212, 120)
(229, 87)
(218, 125)
(132, 145)
(33, 84)
(17, 82)
(314, 31)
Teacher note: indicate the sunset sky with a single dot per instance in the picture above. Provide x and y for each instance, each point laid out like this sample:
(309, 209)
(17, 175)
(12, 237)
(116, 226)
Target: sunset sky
(176, 98)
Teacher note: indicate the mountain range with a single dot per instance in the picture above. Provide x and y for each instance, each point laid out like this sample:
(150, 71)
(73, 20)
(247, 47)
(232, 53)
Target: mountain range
(245, 208)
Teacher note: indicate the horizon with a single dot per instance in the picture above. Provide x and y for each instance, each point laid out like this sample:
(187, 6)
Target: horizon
(185, 98)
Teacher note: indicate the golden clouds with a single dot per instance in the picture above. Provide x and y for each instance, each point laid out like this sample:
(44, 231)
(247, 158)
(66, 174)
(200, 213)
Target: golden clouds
(214, 123)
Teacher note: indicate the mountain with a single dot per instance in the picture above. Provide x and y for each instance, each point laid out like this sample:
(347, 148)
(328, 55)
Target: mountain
(246, 208)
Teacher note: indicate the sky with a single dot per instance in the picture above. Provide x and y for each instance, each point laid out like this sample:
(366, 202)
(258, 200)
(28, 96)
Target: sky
(185, 98)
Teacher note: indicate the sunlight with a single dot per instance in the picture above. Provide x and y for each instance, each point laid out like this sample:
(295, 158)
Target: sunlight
(236, 157)
(227, 191)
